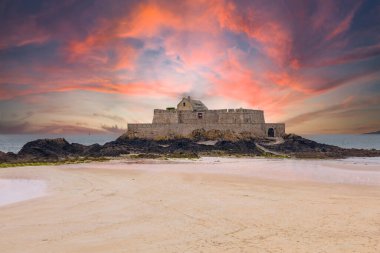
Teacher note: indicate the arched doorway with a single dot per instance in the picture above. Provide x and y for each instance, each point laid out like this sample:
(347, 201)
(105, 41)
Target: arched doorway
(270, 132)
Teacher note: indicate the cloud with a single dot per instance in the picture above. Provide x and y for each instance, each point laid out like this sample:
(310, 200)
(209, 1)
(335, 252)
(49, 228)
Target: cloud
(344, 24)
(345, 107)
(14, 127)
(357, 54)
(114, 129)
(111, 117)
(310, 85)
(53, 128)
(262, 54)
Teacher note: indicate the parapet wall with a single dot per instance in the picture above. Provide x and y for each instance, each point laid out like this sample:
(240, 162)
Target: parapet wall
(159, 131)
(240, 116)
(226, 116)
(165, 116)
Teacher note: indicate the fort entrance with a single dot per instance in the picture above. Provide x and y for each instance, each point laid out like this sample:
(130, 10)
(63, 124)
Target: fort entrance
(270, 132)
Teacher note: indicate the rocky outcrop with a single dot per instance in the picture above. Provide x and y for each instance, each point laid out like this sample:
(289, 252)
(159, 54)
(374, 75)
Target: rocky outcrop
(300, 147)
(375, 132)
(60, 149)
(187, 145)
(291, 145)
(49, 149)
(7, 157)
(219, 135)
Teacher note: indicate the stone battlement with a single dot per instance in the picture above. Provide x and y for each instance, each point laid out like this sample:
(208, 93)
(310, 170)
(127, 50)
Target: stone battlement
(218, 110)
(191, 115)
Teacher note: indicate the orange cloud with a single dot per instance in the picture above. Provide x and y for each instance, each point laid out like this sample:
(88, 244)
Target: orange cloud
(238, 81)
(146, 21)
(145, 89)
(285, 79)
(252, 51)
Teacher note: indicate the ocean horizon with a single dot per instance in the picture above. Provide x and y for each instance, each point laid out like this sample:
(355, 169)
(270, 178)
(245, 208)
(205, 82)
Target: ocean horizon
(359, 141)
(14, 142)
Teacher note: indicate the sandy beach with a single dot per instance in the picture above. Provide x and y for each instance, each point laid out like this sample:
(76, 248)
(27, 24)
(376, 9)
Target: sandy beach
(208, 205)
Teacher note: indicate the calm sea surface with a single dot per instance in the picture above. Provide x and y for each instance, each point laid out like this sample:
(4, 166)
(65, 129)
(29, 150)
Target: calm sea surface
(364, 141)
(14, 142)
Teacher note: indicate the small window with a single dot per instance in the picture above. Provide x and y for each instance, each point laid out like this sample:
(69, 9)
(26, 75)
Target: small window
(200, 115)
(184, 104)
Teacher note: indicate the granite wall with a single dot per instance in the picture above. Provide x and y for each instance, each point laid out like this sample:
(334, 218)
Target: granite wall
(226, 116)
(159, 131)
(174, 123)
(165, 116)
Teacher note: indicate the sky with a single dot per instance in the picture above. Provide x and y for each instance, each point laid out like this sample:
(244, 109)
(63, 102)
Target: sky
(80, 66)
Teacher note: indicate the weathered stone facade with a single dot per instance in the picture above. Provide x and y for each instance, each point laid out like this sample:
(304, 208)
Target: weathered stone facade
(192, 114)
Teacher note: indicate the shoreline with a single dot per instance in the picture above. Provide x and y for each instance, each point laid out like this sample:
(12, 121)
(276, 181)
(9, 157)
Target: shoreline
(138, 157)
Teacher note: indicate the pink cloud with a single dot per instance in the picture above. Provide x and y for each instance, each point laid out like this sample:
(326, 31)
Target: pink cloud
(344, 24)
(256, 52)
(260, 26)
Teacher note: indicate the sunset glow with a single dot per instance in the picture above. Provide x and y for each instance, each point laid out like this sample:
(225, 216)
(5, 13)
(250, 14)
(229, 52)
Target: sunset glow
(94, 66)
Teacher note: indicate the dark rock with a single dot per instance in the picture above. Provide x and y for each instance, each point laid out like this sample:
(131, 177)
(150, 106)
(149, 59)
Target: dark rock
(92, 150)
(3, 157)
(7, 157)
(293, 145)
(49, 150)
(375, 132)
(303, 148)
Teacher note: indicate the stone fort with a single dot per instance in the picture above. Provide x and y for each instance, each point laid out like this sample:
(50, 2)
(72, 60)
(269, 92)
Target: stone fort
(193, 115)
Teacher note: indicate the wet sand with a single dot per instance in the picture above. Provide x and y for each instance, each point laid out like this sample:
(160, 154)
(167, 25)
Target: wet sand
(16, 190)
(212, 205)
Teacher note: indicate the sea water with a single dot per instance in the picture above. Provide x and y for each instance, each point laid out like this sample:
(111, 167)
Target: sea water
(361, 141)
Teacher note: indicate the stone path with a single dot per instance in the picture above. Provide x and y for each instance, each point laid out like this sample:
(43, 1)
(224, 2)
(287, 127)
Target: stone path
(277, 140)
